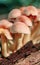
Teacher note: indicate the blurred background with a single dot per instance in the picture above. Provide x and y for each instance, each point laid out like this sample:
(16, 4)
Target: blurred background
(7, 5)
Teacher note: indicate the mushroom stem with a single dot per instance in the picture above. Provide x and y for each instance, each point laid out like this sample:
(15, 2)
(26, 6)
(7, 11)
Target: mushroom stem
(35, 32)
(27, 37)
(4, 46)
(13, 46)
(20, 43)
(36, 40)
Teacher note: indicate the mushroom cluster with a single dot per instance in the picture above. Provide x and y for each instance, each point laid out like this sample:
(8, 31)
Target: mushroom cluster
(22, 26)
(30, 16)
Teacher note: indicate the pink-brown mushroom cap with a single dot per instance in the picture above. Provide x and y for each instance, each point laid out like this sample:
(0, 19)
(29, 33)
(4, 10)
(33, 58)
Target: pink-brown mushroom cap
(5, 23)
(31, 10)
(19, 27)
(25, 20)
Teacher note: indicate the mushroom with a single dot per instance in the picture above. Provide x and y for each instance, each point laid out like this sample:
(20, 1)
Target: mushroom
(37, 31)
(19, 29)
(14, 14)
(32, 13)
(28, 23)
(5, 35)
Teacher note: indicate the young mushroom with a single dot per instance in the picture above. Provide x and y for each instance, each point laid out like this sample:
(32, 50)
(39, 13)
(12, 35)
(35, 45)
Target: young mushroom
(19, 29)
(5, 36)
(14, 14)
(28, 23)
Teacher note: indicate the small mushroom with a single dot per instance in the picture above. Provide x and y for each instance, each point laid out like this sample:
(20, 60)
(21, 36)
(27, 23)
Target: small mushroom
(5, 35)
(14, 14)
(19, 29)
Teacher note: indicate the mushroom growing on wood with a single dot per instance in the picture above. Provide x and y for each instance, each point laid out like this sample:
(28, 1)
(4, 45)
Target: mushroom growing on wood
(32, 13)
(19, 29)
(14, 14)
(28, 23)
(5, 35)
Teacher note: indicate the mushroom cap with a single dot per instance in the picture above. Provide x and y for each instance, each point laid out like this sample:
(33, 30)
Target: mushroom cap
(31, 10)
(5, 23)
(25, 20)
(19, 27)
(14, 13)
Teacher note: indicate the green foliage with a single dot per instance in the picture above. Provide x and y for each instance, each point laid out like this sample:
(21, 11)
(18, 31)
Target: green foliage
(7, 5)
